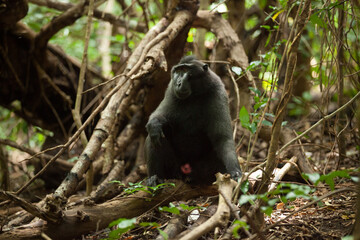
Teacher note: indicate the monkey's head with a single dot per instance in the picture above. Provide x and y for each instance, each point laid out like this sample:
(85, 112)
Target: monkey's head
(189, 78)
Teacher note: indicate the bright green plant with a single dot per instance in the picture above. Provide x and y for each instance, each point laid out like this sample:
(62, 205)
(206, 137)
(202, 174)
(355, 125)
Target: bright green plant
(329, 178)
(136, 187)
(284, 192)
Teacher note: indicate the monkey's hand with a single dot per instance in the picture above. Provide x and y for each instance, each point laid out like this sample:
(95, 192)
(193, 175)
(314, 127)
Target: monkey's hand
(236, 175)
(154, 128)
(153, 181)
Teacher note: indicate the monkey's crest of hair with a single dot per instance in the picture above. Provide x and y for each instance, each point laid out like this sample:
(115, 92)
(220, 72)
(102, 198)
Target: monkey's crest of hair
(188, 59)
(191, 61)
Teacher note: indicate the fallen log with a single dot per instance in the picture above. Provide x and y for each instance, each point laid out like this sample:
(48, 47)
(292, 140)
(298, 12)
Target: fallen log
(86, 218)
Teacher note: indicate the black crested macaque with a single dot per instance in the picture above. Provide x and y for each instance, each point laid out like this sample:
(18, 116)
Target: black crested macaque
(190, 134)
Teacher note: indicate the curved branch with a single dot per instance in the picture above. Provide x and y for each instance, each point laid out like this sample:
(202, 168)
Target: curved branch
(108, 17)
(228, 38)
(65, 19)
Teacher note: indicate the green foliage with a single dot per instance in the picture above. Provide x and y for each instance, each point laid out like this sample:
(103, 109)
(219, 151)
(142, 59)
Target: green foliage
(348, 238)
(176, 210)
(245, 120)
(123, 225)
(239, 224)
(299, 105)
(191, 35)
(157, 226)
(244, 187)
(285, 192)
(329, 178)
(171, 209)
(38, 16)
(260, 103)
(209, 36)
(17, 129)
(136, 187)
(251, 22)
(288, 191)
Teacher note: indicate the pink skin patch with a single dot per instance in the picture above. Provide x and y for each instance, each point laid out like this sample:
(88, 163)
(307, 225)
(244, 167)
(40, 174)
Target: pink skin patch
(186, 169)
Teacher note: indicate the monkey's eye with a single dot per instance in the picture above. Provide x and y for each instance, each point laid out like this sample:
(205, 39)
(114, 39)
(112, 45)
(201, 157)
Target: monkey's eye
(205, 67)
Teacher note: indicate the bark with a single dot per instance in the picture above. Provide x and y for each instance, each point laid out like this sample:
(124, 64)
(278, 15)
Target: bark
(4, 171)
(341, 124)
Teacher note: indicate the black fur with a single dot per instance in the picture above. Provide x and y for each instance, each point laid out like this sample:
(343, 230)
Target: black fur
(191, 126)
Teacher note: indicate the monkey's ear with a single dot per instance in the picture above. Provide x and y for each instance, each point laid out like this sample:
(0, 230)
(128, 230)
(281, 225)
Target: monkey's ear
(205, 67)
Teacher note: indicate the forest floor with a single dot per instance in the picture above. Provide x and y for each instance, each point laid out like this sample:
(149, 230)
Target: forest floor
(330, 218)
(333, 218)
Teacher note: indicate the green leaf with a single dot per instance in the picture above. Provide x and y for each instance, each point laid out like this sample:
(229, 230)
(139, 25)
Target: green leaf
(209, 36)
(239, 224)
(123, 225)
(313, 177)
(244, 117)
(247, 198)
(163, 234)
(245, 186)
(267, 210)
(315, 19)
(269, 115)
(266, 123)
(329, 178)
(189, 208)
(172, 209)
(149, 224)
(252, 128)
(256, 91)
(123, 222)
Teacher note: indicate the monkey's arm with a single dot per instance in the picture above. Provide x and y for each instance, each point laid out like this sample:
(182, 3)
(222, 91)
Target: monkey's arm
(220, 134)
(157, 121)
(154, 129)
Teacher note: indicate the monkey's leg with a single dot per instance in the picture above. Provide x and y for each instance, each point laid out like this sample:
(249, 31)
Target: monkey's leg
(161, 161)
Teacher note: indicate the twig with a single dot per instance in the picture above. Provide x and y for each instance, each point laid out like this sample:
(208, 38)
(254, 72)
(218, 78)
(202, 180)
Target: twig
(103, 83)
(77, 109)
(65, 19)
(45, 76)
(12, 69)
(279, 175)
(32, 152)
(115, 20)
(237, 98)
(49, 103)
(320, 121)
(34, 210)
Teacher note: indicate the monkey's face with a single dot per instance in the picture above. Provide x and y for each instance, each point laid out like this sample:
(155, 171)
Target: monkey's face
(189, 79)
